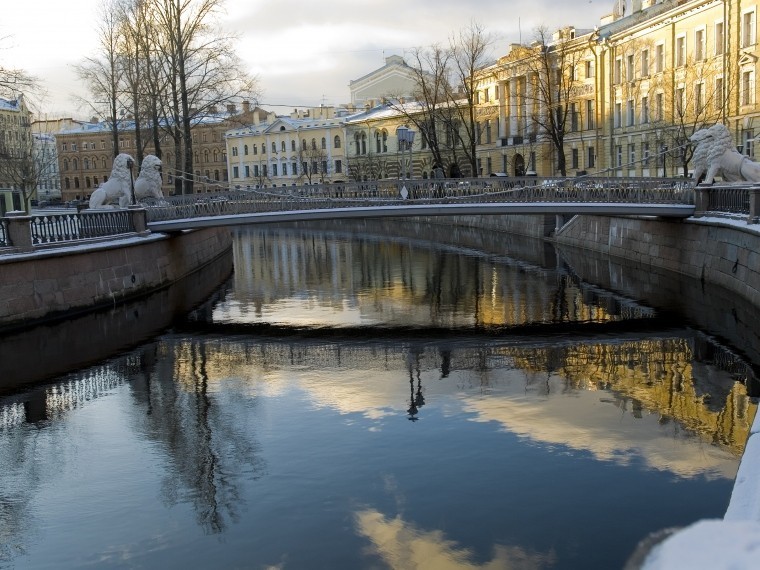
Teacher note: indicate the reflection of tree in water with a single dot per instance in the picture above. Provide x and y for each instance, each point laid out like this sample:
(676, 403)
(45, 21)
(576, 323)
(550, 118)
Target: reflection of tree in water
(201, 432)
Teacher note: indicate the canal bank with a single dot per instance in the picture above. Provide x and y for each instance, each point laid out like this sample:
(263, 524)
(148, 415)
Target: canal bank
(58, 282)
(709, 250)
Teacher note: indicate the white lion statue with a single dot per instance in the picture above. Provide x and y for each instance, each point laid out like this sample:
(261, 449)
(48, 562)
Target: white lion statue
(148, 184)
(701, 153)
(117, 190)
(722, 157)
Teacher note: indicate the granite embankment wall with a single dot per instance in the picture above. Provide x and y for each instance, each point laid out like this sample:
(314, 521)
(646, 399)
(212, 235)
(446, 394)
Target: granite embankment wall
(52, 283)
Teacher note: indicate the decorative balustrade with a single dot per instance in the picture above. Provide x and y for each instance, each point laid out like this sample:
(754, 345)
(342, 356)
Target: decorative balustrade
(4, 239)
(394, 192)
(26, 232)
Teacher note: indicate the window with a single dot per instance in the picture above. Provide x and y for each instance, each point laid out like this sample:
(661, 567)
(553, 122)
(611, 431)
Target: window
(644, 110)
(645, 153)
(247, 171)
(619, 155)
(285, 169)
(573, 117)
(680, 101)
(313, 144)
(748, 29)
(255, 170)
(255, 149)
(336, 142)
(293, 145)
(719, 38)
(659, 101)
(283, 148)
(748, 136)
(618, 115)
(590, 114)
(630, 69)
(324, 167)
(680, 51)
(699, 45)
(618, 70)
(235, 172)
(64, 147)
(747, 95)
(574, 158)
(631, 155)
(718, 93)
(645, 63)
(338, 167)
(589, 69)
(631, 112)
(699, 98)
(245, 150)
(294, 168)
(274, 147)
(274, 170)
(659, 58)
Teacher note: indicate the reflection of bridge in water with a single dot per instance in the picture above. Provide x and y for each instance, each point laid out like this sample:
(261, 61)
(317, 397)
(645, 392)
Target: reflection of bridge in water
(384, 199)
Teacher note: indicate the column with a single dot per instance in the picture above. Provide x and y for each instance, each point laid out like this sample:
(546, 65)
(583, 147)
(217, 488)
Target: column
(513, 107)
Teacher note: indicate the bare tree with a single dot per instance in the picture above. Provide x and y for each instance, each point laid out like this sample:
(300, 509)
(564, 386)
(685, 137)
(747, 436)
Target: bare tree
(695, 100)
(552, 67)
(470, 51)
(103, 71)
(23, 163)
(200, 68)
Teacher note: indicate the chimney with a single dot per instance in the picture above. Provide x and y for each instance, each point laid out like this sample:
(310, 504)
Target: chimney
(246, 107)
(231, 109)
(256, 118)
(94, 120)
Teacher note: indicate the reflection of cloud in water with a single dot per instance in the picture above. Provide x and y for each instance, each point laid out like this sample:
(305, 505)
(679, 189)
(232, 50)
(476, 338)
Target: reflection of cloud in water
(401, 546)
(596, 422)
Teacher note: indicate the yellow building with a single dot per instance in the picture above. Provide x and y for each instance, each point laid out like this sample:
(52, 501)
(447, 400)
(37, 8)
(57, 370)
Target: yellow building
(626, 95)
(306, 147)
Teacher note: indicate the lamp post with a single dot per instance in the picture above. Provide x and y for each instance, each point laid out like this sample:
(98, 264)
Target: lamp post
(405, 138)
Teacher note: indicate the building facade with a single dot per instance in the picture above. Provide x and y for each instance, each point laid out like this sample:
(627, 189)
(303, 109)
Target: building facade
(306, 147)
(15, 153)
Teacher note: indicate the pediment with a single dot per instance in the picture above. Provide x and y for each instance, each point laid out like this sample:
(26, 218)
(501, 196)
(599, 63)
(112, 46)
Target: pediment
(747, 58)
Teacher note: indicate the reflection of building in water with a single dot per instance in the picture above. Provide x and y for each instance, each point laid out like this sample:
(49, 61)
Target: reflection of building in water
(392, 279)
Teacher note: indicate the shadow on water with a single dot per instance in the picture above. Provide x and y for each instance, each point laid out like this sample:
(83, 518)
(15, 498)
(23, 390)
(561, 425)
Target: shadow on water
(35, 355)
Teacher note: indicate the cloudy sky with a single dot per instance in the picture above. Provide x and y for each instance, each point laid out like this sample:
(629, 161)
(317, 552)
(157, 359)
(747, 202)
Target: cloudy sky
(304, 52)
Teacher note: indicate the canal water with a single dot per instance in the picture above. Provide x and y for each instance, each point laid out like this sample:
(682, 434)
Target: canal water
(376, 396)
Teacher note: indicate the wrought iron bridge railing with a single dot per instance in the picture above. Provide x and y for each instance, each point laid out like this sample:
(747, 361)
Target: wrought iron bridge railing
(393, 192)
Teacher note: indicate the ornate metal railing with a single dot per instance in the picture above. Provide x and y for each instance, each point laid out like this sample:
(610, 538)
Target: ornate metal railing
(4, 238)
(55, 228)
(728, 200)
(389, 192)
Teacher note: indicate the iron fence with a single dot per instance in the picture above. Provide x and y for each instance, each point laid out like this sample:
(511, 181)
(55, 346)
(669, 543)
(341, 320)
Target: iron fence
(429, 191)
(56, 228)
(4, 238)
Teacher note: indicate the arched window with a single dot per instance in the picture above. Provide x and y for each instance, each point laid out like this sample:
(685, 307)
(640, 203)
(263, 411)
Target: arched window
(274, 147)
(378, 138)
(76, 182)
(67, 183)
(75, 164)
(313, 144)
(255, 149)
(385, 140)
(216, 175)
(95, 181)
(358, 141)
(205, 156)
(293, 145)
(324, 143)
(66, 164)
(364, 143)
(303, 144)
(103, 160)
(86, 164)
(336, 142)
(283, 147)
(263, 148)
(245, 150)
(216, 155)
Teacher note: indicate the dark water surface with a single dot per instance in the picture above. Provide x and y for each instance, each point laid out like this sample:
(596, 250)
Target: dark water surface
(366, 402)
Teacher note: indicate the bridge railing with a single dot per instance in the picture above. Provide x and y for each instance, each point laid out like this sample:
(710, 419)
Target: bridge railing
(429, 191)
(23, 232)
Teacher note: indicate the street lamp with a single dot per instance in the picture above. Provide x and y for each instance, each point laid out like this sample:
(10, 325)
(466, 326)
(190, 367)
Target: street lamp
(405, 138)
